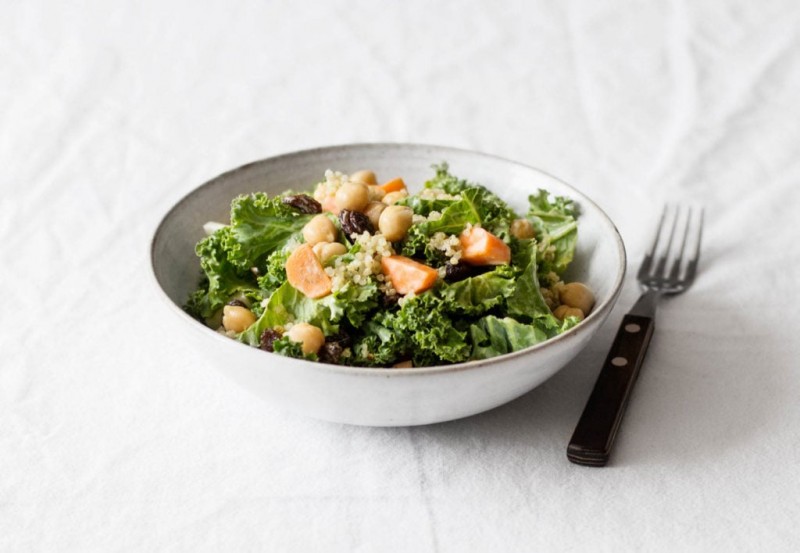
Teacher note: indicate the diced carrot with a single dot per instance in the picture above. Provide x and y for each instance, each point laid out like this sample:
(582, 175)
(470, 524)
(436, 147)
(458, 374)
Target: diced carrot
(394, 185)
(481, 247)
(408, 275)
(305, 272)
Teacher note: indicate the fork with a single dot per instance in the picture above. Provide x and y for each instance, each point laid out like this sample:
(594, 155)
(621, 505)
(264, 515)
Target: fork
(597, 428)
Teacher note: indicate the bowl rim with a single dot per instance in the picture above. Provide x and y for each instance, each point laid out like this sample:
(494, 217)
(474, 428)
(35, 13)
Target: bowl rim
(597, 314)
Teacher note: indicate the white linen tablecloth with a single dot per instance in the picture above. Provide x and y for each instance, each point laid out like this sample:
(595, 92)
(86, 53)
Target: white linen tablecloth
(115, 438)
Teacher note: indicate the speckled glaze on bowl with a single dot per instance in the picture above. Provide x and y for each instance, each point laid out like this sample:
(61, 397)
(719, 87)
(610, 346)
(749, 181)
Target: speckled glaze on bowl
(382, 397)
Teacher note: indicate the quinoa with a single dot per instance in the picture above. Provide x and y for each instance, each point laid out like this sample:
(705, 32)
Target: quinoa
(228, 333)
(405, 298)
(385, 285)
(362, 266)
(553, 279)
(551, 290)
(550, 298)
(449, 245)
(436, 194)
(547, 250)
(327, 188)
(432, 216)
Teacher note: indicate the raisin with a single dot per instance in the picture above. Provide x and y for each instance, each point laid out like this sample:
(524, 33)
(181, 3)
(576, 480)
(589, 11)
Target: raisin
(454, 273)
(237, 303)
(388, 300)
(303, 203)
(342, 338)
(268, 338)
(330, 352)
(354, 222)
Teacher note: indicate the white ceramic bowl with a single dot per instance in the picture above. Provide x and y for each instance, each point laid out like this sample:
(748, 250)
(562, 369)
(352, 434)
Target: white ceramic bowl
(382, 397)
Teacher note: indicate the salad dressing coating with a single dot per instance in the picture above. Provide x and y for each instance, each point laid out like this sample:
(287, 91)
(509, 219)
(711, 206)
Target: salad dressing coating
(369, 274)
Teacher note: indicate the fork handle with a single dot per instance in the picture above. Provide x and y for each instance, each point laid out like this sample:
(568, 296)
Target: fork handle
(594, 435)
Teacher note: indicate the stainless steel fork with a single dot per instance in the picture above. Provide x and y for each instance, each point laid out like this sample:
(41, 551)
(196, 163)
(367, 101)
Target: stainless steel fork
(667, 269)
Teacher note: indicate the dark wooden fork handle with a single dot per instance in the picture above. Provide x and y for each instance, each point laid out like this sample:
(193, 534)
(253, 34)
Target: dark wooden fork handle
(594, 435)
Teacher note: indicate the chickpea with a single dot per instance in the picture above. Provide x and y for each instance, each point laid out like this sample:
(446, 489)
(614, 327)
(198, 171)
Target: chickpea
(376, 193)
(310, 337)
(393, 197)
(403, 364)
(373, 211)
(352, 196)
(522, 228)
(395, 221)
(327, 250)
(577, 294)
(237, 318)
(364, 176)
(319, 229)
(564, 311)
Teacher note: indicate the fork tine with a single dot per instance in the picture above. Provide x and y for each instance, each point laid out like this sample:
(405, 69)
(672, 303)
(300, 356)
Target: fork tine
(691, 268)
(676, 264)
(662, 261)
(644, 269)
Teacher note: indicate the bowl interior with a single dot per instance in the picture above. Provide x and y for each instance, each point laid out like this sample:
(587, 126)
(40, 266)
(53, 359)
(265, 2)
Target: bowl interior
(600, 255)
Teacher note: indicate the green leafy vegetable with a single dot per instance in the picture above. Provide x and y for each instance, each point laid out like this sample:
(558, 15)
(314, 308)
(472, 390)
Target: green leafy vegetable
(275, 271)
(288, 305)
(453, 220)
(527, 302)
(259, 226)
(289, 348)
(476, 295)
(221, 279)
(429, 331)
(495, 214)
(500, 310)
(378, 345)
(424, 206)
(476, 206)
(492, 336)
(556, 231)
(357, 301)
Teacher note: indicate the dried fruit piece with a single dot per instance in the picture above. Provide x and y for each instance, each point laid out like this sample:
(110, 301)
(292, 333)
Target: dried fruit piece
(303, 203)
(354, 222)
(454, 273)
(389, 300)
(330, 352)
(268, 338)
(341, 337)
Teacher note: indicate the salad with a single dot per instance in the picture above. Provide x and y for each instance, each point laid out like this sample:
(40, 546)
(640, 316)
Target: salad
(367, 274)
